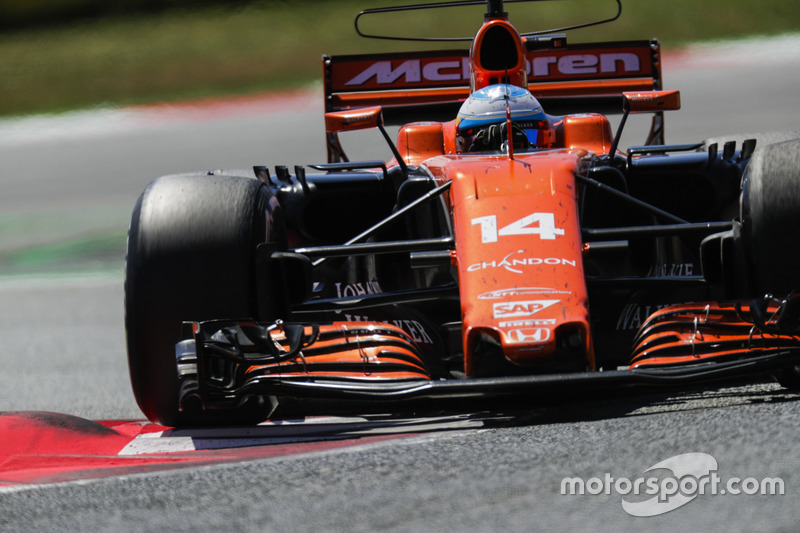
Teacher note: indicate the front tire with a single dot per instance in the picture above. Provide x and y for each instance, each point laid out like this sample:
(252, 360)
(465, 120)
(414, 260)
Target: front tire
(190, 257)
(770, 215)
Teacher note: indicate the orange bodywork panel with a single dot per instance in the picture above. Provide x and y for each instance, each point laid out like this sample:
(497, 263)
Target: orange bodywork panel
(419, 141)
(489, 68)
(519, 261)
(589, 131)
(577, 89)
(390, 98)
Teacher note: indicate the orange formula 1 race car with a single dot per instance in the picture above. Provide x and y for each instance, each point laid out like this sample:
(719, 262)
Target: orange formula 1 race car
(508, 250)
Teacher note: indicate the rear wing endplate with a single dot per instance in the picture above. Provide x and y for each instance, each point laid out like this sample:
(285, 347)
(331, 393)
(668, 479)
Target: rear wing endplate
(414, 86)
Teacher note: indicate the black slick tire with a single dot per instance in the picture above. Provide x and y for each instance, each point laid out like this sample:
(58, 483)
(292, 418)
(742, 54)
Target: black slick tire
(190, 257)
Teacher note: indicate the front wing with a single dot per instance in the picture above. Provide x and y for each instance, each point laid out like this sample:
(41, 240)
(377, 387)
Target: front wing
(227, 362)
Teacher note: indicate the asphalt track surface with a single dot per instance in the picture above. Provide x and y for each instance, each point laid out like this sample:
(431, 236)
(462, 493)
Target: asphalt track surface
(63, 351)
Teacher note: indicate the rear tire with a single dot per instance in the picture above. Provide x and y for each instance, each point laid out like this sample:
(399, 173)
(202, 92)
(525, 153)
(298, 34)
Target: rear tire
(190, 257)
(770, 215)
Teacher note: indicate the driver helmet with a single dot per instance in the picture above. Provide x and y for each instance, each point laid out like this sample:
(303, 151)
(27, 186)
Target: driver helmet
(481, 122)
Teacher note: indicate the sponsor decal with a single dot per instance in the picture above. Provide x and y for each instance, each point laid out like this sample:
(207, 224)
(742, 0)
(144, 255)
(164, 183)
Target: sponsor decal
(633, 315)
(528, 335)
(413, 71)
(516, 263)
(528, 322)
(453, 70)
(672, 269)
(414, 329)
(501, 294)
(582, 64)
(520, 309)
(357, 289)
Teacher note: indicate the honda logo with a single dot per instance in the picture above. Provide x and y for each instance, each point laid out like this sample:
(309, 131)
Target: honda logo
(528, 335)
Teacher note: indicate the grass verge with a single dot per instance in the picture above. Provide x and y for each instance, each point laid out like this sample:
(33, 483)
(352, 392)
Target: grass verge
(101, 252)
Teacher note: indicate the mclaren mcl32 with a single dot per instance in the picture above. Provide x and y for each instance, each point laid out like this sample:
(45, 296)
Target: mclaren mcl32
(509, 248)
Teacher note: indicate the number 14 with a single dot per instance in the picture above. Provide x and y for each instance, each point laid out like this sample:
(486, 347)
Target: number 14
(546, 229)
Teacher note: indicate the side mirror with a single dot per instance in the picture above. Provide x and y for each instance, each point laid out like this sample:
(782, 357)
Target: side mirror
(651, 101)
(354, 119)
(644, 102)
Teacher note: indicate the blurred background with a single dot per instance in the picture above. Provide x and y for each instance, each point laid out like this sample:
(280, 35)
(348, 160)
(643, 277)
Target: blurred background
(57, 55)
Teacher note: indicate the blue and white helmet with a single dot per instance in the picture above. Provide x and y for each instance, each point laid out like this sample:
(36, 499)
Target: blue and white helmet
(481, 121)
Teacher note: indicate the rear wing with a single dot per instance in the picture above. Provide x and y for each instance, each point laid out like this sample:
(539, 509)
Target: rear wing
(432, 85)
